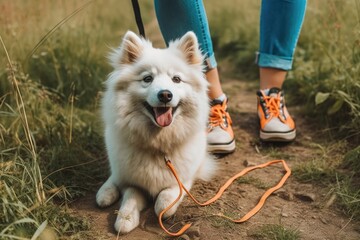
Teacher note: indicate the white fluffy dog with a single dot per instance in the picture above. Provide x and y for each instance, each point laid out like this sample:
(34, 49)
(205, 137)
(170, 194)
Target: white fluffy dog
(155, 105)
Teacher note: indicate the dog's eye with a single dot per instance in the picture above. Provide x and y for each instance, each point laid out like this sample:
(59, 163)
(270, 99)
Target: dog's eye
(148, 78)
(176, 79)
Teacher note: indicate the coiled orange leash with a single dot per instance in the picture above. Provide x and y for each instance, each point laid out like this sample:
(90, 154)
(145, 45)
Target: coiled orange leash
(251, 213)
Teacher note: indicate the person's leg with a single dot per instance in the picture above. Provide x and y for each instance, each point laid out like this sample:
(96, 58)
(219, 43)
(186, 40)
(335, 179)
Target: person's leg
(271, 77)
(175, 18)
(280, 25)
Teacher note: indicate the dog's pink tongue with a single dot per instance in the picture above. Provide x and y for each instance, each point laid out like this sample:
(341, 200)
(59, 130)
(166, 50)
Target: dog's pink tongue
(163, 116)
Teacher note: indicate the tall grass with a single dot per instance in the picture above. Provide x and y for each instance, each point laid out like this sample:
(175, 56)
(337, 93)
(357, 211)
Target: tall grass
(50, 136)
(327, 67)
(38, 162)
(326, 80)
(74, 54)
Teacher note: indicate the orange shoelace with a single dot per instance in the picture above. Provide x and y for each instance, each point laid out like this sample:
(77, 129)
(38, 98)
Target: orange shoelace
(273, 105)
(217, 113)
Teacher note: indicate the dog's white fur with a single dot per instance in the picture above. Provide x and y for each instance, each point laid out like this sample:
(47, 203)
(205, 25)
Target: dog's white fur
(136, 142)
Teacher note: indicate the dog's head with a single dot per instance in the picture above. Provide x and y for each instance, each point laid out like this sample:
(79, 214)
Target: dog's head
(160, 84)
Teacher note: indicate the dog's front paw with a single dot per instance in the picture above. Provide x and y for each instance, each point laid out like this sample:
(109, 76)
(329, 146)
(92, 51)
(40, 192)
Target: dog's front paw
(107, 194)
(127, 221)
(165, 198)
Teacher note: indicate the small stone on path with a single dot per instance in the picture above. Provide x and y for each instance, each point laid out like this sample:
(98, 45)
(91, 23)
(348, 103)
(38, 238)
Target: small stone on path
(306, 197)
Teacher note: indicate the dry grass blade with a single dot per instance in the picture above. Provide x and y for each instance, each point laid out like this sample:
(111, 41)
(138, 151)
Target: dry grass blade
(72, 99)
(39, 230)
(21, 221)
(358, 9)
(25, 124)
(20, 102)
(56, 27)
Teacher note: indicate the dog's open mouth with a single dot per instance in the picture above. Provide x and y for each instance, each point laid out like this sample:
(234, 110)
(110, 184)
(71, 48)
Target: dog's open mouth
(163, 116)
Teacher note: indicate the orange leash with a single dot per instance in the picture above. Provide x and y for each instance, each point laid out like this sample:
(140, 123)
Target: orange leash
(251, 213)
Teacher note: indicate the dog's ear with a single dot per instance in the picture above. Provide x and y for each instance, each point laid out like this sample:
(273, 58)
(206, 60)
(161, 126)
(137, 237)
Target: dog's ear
(129, 50)
(132, 46)
(189, 45)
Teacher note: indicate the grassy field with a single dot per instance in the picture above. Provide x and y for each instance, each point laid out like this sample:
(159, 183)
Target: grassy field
(52, 66)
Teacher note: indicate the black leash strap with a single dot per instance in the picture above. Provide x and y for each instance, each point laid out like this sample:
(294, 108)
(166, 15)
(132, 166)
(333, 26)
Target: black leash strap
(138, 18)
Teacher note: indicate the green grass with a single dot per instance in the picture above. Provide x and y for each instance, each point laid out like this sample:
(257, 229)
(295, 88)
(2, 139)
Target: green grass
(276, 232)
(254, 181)
(337, 173)
(51, 150)
(348, 196)
(51, 146)
(28, 153)
(348, 189)
(315, 171)
(327, 67)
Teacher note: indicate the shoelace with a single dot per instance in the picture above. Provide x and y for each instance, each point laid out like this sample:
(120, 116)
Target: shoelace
(217, 114)
(273, 105)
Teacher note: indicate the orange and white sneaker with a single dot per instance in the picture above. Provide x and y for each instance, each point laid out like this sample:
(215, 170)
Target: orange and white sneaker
(220, 134)
(276, 125)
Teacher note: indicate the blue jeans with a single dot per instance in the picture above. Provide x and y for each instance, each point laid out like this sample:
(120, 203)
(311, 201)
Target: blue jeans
(280, 25)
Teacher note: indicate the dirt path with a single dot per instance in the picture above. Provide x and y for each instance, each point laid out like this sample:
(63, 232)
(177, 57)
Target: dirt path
(296, 206)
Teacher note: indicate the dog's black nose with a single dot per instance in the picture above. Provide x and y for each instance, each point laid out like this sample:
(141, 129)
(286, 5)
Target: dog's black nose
(165, 96)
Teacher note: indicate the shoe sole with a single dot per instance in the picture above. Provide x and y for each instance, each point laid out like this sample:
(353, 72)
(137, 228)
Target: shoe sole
(222, 148)
(278, 136)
